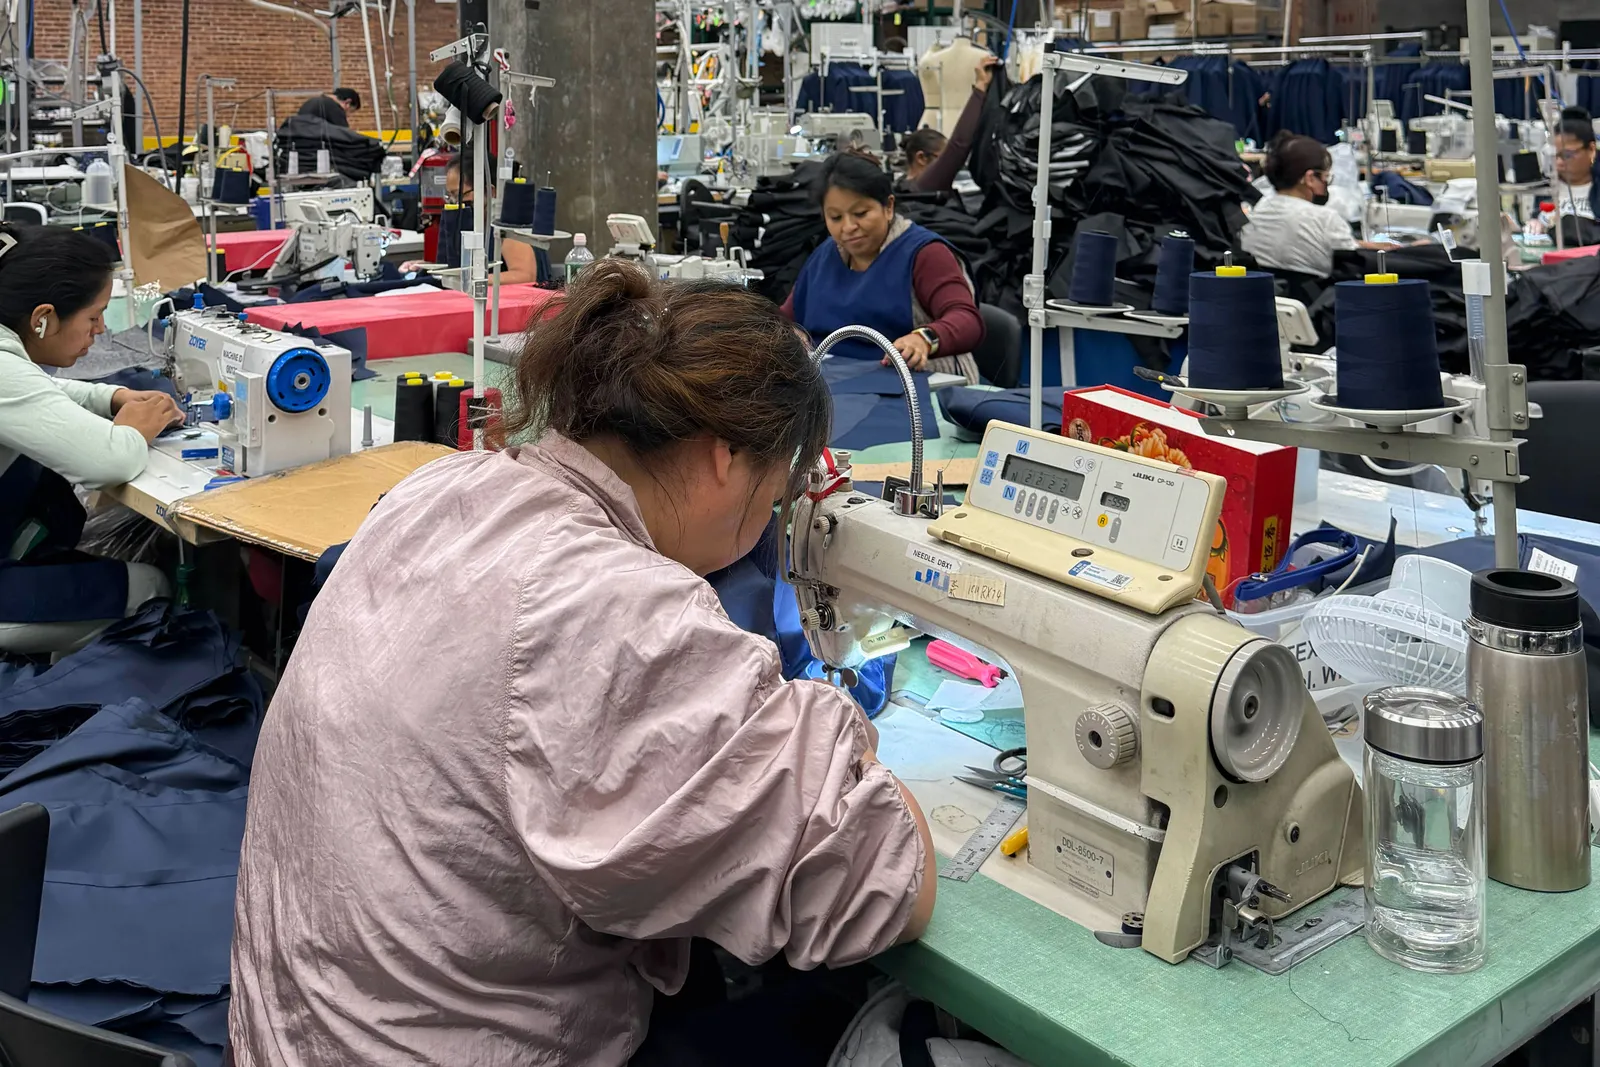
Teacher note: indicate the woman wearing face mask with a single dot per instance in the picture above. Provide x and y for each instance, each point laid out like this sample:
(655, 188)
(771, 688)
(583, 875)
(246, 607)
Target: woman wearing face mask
(1295, 230)
(521, 756)
(886, 272)
(56, 433)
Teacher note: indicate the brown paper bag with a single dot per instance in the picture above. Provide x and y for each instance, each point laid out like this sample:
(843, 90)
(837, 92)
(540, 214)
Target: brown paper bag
(168, 246)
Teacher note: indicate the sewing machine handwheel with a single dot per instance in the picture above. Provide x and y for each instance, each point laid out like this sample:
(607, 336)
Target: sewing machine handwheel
(1256, 711)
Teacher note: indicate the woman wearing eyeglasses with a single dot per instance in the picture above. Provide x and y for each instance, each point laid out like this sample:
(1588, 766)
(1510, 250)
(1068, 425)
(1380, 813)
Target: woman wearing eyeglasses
(1296, 230)
(1573, 189)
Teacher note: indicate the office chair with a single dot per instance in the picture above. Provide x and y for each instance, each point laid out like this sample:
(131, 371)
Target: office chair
(999, 354)
(25, 211)
(1557, 444)
(30, 1037)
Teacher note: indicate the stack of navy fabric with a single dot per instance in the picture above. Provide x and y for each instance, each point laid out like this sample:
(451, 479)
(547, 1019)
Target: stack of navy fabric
(140, 748)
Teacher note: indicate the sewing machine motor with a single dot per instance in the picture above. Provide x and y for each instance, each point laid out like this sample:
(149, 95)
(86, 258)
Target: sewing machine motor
(1177, 766)
(278, 401)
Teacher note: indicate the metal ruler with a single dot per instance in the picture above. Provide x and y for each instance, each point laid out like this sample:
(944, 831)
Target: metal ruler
(984, 840)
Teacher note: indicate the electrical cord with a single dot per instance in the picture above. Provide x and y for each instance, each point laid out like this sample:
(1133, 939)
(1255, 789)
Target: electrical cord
(1396, 472)
(155, 120)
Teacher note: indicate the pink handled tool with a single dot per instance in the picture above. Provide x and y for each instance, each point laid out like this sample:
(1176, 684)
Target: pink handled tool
(963, 663)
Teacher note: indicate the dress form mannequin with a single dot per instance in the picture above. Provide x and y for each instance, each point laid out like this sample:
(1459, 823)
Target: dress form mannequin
(946, 74)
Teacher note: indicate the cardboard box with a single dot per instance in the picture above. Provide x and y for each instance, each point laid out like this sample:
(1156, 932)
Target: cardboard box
(1135, 23)
(1245, 20)
(1212, 19)
(1165, 7)
(1254, 529)
(1105, 25)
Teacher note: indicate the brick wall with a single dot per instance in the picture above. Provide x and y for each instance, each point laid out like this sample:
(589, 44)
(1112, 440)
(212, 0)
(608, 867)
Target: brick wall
(233, 39)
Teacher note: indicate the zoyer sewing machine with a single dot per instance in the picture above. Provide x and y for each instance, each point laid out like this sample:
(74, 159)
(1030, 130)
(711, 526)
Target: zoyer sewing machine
(279, 401)
(1177, 766)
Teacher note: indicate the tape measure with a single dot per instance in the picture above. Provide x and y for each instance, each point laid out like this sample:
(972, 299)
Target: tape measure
(984, 840)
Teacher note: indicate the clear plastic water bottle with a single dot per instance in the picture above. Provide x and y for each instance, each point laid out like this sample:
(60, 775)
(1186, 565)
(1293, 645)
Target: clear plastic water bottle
(97, 187)
(579, 258)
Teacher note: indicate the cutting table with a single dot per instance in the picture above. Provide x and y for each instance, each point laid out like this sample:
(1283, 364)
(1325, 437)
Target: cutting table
(407, 324)
(1046, 989)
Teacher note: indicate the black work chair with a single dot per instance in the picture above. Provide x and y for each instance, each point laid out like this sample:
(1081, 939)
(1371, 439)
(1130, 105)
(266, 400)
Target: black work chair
(30, 1037)
(1558, 443)
(999, 354)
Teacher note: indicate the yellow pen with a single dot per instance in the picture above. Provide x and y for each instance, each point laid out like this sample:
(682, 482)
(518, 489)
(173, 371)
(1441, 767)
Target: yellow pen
(1014, 843)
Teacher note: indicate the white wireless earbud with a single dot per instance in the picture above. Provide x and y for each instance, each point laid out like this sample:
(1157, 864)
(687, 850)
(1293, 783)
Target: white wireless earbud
(39, 329)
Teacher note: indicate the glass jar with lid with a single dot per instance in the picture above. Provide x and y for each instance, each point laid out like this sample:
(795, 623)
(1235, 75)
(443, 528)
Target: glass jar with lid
(1426, 868)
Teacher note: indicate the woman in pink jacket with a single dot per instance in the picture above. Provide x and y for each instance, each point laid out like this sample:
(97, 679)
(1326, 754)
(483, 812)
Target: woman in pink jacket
(521, 756)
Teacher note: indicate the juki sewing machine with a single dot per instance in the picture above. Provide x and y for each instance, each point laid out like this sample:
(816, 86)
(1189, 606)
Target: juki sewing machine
(357, 202)
(319, 237)
(1177, 766)
(277, 400)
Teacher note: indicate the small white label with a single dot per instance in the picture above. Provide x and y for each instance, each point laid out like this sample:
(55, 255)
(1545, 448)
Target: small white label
(1105, 576)
(1086, 869)
(932, 569)
(1548, 564)
(979, 590)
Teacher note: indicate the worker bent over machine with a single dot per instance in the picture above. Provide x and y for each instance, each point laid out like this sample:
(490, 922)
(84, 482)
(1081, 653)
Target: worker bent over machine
(1177, 766)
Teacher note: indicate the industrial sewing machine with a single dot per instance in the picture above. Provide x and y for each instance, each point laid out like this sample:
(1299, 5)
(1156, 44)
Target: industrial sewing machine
(1177, 766)
(319, 237)
(278, 401)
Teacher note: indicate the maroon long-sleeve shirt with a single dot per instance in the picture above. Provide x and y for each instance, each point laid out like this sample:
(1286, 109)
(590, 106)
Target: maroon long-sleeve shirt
(940, 286)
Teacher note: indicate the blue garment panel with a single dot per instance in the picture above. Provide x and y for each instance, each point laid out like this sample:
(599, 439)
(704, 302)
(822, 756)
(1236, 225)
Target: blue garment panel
(869, 404)
(974, 409)
(1389, 79)
(758, 601)
(1308, 97)
(1511, 101)
(1399, 190)
(828, 294)
(139, 747)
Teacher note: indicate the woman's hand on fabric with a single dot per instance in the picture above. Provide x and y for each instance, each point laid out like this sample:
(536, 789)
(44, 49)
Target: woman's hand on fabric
(151, 413)
(984, 75)
(122, 397)
(915, 350)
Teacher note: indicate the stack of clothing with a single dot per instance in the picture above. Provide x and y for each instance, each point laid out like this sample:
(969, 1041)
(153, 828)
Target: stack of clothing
(140, 746)
(354, 155)
(780, 225)
(1552, 312)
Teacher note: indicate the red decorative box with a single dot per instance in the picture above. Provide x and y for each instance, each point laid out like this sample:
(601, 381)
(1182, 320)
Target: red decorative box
(1254, 529)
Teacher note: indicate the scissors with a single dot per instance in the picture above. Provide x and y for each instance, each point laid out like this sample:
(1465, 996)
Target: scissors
(1008, 776)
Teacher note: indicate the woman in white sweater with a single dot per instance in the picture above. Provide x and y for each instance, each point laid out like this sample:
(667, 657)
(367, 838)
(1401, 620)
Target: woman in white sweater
(54, 288)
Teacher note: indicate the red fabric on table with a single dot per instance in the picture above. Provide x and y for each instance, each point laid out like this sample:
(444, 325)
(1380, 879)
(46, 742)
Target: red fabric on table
(1564, 254)
(250, 248)
(411, 324)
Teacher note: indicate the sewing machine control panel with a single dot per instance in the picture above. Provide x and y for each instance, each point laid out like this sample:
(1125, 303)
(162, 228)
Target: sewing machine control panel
(1122, 521)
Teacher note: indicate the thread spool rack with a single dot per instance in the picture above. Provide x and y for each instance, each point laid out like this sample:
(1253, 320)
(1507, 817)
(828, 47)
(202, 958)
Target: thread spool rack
(1486, 448)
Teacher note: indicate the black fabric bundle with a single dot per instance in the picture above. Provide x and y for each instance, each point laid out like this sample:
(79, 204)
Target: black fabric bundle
(465, 89)
(355, 155)
(780, 225)
(1552, 312)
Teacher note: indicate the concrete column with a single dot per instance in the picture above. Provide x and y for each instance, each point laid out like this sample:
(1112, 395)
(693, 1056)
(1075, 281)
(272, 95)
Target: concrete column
(595, 132)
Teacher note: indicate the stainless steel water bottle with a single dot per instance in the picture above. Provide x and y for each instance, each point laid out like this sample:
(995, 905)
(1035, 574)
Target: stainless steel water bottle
(1526, 672)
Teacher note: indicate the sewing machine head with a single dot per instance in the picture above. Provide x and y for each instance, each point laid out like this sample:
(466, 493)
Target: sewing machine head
(1172, 754)
(278, 401)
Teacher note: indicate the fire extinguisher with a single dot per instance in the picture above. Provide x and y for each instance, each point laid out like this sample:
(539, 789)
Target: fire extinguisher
(430, 179)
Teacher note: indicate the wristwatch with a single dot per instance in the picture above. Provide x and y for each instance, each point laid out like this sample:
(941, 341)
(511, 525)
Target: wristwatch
(927, 334)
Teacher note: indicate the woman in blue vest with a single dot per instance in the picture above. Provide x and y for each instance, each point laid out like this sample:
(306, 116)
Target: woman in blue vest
(54, 433)
(886, 272)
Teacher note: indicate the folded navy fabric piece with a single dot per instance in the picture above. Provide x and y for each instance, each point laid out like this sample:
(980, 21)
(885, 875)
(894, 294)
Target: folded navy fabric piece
(869, 406)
